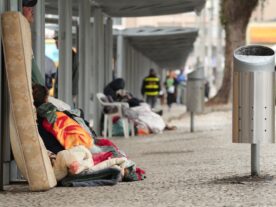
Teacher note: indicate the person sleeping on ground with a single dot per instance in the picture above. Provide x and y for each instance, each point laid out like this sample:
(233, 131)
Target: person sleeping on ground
(77, 160)
(139, 112)
(66, 130)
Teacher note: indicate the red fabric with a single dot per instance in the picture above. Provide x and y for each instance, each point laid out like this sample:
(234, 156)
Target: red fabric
(140, 173)
(100, 157)
(106, 142)
(115, 119)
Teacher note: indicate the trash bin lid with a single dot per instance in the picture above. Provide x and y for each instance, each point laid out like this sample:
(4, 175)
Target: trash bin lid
(254, 58)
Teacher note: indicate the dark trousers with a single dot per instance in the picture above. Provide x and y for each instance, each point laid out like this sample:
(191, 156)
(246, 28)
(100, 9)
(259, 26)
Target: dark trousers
(151, 100)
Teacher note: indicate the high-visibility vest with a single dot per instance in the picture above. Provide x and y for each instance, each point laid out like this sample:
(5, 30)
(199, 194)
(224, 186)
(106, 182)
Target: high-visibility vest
(151, 86)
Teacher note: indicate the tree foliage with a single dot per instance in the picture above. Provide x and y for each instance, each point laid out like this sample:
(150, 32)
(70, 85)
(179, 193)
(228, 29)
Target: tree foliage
(234, 16)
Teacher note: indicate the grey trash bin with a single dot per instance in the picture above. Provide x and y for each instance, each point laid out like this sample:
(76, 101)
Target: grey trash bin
(195, 91)
(253, 95)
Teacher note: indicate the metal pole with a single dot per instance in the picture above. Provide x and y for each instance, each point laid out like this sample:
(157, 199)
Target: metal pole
(98, 63)
(85, 54)
(192, 121)
(39, 35)
(2, 135)
(65, 51)
(108, 50)
(1, 109)
(5, 136)
(2, 6)
(120, 56)
(13, 5)
(255, 159)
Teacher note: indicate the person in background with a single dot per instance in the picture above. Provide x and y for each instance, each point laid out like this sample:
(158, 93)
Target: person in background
(115, 91)
(206, 89)
(50, 72)
(28, 12)
(181, 80)
(171, 84)
(151, 88)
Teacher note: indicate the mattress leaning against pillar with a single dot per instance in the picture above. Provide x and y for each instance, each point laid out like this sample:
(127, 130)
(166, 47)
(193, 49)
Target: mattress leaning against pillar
(27, 146)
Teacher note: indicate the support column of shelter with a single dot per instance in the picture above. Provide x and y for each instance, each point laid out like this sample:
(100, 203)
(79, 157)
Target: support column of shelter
(85, 54)
(137, 68)
(5, 146)
(98, 63)
(132, 77)
(14, 5)
(135, 75)
(108, 33)
(38, 34)
(120, 56)
(19, 3)
(65, 51)
(131, 74)
(3, 118)
(140, 68)
(127, 73)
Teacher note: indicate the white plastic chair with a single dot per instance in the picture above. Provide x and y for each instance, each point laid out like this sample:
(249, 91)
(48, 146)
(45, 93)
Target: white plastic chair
(108, 117)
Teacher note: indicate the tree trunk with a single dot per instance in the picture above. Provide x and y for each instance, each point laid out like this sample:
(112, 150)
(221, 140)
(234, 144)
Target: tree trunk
(236, 15)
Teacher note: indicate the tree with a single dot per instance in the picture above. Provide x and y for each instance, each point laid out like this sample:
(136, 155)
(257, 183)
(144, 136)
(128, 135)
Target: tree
(235, 16)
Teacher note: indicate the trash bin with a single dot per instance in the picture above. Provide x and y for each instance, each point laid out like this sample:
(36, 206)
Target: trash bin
(253, 95)
(183, 99)
(195, 90)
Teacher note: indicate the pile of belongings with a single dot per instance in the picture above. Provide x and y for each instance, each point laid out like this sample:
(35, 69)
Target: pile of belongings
(79, 158)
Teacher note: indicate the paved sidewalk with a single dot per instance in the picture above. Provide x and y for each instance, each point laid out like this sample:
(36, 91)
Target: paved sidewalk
(183, 169)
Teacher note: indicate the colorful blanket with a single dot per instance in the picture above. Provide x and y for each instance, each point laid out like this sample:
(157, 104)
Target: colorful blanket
(132, 173)
(68, 132)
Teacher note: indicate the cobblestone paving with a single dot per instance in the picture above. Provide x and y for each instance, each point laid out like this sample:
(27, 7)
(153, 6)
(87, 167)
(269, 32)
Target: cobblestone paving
(183, 169)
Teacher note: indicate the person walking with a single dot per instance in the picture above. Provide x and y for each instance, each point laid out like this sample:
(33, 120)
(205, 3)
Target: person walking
(151, 88)
(171, 84)
(181, 81)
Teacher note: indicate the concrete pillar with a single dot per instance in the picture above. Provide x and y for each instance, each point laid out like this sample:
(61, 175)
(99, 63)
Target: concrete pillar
(3, 118)
(139, 72)
(126, 60)
(137, 66)
(120, 56)
(19, 5)
(65, 51)
(5, 147)
(210, 35)
(98, 63)
(85, 56)
(133, 79)
(108, 50)
(38, 35)
(14, 5)
(1, 110)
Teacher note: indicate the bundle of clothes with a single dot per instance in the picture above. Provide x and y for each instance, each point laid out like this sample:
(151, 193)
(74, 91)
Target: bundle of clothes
(146, 121)
(79, 158)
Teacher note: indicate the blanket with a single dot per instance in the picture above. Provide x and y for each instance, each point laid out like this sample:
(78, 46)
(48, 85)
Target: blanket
(68, 132)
